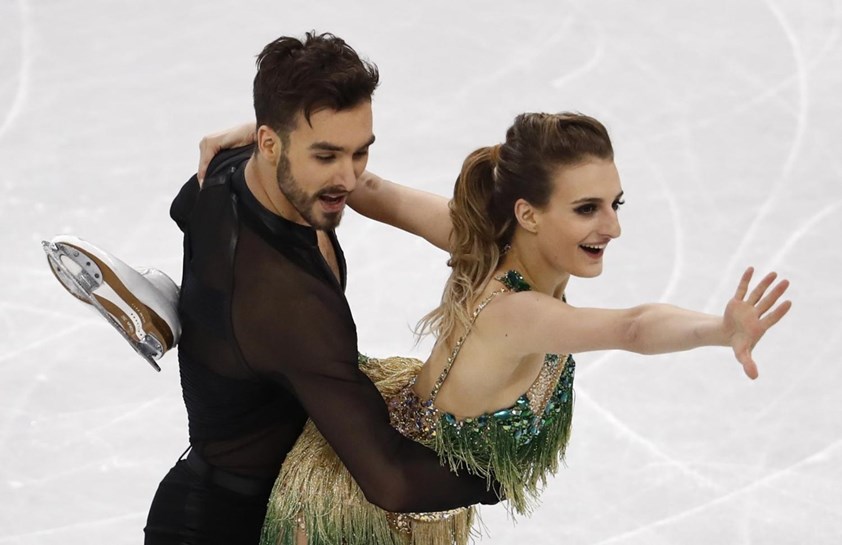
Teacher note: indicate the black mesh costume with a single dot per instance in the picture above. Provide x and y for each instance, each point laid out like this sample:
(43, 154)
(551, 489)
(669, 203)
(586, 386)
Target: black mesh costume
(269, 340)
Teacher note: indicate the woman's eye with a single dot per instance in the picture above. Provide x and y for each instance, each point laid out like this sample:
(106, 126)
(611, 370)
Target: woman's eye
(617, 204)
(324, 158)
(586, 209)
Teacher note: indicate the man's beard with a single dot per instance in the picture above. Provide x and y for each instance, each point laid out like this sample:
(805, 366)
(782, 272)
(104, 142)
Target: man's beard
(303, 203)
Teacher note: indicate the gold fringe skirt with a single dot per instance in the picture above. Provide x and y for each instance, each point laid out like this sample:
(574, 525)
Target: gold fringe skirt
(315, 501)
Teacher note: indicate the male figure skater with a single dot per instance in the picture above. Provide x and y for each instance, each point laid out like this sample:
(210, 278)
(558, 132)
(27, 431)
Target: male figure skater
(267, 338)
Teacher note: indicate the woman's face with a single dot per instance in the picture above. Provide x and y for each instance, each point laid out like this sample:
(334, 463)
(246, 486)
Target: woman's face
(580, 219)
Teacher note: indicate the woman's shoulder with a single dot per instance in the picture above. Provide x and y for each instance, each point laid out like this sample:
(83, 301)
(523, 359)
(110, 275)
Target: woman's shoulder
(518, 308)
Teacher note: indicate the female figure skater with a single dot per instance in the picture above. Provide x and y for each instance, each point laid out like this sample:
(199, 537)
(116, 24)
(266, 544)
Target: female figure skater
(495, 396)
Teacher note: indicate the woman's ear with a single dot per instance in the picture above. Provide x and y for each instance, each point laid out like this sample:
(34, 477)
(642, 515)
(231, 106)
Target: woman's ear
(526, 215)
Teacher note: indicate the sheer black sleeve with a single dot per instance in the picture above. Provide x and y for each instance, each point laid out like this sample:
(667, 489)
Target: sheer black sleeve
(296, 328)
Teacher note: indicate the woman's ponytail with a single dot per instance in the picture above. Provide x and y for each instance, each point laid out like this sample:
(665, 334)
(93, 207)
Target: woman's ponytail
(474, 243)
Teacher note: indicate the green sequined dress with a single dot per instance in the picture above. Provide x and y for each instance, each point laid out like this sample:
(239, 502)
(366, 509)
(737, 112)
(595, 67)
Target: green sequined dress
(519, 446)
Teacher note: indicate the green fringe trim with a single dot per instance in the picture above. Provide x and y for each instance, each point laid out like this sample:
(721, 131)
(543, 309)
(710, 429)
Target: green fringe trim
(315, 488)
(513, 447)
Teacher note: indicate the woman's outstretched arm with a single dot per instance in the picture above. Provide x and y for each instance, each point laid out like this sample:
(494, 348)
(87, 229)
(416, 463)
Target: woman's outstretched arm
(555, 327)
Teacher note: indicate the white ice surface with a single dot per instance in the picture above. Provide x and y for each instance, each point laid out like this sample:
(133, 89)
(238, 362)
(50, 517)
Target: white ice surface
(725, 115)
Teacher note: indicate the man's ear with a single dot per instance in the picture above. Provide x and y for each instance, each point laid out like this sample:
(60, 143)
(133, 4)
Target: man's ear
(269, 144)
(526, 215)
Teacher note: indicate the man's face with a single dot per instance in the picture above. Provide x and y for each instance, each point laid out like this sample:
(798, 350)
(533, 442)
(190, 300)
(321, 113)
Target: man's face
(322, 160)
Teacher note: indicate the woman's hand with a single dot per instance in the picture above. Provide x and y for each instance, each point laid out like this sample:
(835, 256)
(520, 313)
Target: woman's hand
(211, 144)
(746, 320)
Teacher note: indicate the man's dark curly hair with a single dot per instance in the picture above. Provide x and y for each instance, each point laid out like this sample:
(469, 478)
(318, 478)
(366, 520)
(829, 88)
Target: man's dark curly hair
(321, 72)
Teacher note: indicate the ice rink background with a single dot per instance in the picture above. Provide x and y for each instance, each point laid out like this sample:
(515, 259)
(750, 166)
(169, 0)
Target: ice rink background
(725, 116)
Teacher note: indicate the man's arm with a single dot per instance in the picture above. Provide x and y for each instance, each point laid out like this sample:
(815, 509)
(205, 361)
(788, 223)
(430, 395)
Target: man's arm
(424, 214)
(301, 333)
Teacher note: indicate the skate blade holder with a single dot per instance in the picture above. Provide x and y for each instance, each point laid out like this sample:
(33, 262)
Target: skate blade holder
(81, 277)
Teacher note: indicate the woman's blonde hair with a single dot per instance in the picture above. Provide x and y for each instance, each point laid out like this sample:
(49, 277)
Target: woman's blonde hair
(482, 209)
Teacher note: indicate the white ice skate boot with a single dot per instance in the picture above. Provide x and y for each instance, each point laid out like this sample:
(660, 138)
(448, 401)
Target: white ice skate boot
(140, 304)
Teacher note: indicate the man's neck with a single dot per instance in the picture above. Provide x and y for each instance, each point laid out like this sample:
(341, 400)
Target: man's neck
(257, 181)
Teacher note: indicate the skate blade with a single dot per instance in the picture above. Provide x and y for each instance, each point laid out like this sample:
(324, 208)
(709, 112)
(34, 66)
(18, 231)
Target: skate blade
(81, 276)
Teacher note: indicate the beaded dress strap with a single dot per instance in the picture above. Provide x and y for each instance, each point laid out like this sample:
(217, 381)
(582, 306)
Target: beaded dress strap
(458, 346)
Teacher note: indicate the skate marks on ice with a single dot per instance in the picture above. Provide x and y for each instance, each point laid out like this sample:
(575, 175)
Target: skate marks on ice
(15, 61)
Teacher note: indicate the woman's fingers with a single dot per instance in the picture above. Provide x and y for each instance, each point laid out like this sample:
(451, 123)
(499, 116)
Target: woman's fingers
(208, 148)
(772, 297)
(743, 353)
(212, 144)
(742, 287)
(750, 369)
(761, 288)
(775, 316)
(752, 324)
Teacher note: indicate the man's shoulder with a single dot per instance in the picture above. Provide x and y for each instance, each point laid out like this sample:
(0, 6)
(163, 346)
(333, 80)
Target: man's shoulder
(217, 180)
(225, 162)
